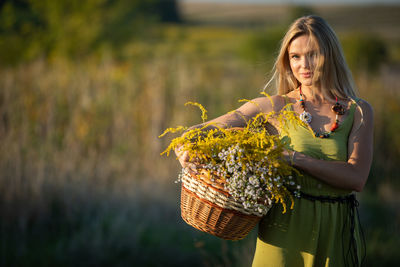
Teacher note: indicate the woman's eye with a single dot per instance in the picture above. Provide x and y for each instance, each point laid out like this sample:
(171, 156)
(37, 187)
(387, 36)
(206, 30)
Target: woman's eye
(295, 56)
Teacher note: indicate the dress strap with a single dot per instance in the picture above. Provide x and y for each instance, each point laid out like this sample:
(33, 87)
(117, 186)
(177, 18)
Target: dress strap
(353, 108)
(286, 99)
(287, 102)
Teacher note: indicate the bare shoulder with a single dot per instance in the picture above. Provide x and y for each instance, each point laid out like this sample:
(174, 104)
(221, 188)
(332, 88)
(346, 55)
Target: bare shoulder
(364, 105)
(363, 116)
(364, 110)
(272, 103)
(292, 95)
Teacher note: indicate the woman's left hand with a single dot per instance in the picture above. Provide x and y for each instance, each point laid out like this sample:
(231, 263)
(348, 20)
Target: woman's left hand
(288, 156)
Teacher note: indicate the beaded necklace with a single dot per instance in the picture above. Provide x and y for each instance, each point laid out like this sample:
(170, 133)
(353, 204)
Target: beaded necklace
(306, 117)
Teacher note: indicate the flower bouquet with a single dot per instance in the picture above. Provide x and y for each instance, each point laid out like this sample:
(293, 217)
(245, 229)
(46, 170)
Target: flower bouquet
(240, 173)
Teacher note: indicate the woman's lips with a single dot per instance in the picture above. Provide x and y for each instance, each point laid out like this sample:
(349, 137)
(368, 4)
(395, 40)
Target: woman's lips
(306, 74)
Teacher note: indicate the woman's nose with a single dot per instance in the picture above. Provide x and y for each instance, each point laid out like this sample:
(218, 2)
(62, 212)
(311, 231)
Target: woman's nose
(305, 63)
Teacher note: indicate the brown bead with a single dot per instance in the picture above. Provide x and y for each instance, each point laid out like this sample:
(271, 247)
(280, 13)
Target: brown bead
(338, 109)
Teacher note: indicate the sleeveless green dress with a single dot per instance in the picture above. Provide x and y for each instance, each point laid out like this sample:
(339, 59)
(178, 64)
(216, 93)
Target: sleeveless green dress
(313, 233)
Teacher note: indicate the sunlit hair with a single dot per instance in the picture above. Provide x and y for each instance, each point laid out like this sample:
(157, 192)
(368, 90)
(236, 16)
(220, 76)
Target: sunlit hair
(332, 76)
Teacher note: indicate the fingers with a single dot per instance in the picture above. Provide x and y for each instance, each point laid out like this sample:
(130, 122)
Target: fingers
(179, 150)
(192, 167)
(184, 160)
(183, 157)
(288, 156)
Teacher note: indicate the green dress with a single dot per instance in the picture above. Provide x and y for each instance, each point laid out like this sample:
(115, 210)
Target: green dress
(313, 233)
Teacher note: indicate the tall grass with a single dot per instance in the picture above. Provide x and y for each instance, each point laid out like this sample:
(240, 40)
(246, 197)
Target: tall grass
(81, 176)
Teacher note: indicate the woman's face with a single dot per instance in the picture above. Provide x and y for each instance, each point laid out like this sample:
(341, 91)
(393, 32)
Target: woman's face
(302, 58)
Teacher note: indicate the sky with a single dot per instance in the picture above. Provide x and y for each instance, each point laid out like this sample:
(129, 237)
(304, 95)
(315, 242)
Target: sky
(300, 1)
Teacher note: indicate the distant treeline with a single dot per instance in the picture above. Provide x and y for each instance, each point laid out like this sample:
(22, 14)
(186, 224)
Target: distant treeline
(30, 28)
(74, 29)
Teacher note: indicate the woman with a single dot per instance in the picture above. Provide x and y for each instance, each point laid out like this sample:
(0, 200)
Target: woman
(334, 158)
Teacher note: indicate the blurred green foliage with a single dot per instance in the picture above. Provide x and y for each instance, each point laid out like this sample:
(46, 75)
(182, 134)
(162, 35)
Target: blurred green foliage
(365, 52)
(299, 11)
(74, 28)
(263, 46)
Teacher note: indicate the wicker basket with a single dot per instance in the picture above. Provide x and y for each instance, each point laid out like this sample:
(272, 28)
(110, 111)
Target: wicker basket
(206, 206)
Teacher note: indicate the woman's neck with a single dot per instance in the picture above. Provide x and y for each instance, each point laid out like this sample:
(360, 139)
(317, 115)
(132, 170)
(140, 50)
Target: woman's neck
(314, 95)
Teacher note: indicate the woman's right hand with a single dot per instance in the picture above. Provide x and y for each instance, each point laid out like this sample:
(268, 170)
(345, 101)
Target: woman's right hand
(183, 156)
(184, 159)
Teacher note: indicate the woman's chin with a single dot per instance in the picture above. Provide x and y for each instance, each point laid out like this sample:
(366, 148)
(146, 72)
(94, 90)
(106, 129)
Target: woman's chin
(306, 83)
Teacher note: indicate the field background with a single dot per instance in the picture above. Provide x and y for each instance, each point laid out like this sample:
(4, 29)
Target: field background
(85, 90)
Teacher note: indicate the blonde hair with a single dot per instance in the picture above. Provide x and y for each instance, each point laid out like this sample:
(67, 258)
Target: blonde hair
(331, 74)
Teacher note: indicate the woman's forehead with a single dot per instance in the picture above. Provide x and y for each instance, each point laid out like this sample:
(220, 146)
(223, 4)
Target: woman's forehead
(302, 44)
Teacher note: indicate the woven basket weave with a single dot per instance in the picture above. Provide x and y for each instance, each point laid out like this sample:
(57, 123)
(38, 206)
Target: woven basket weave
(209, 208)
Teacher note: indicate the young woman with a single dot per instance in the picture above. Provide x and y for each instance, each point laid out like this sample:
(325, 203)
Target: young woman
(333, 153)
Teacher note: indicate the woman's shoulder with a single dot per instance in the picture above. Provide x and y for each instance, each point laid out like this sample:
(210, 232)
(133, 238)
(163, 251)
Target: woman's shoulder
(271, 103)
(361, 101)
(291, 96)
(363, 106)
(363, 114)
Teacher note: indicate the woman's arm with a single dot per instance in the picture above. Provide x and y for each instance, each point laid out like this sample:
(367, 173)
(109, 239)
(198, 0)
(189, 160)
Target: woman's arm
(237, 118)
(240, 116)
(352, 174)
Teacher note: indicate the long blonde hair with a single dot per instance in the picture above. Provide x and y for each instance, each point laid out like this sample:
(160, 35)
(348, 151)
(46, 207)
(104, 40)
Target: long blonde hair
(331, 74)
